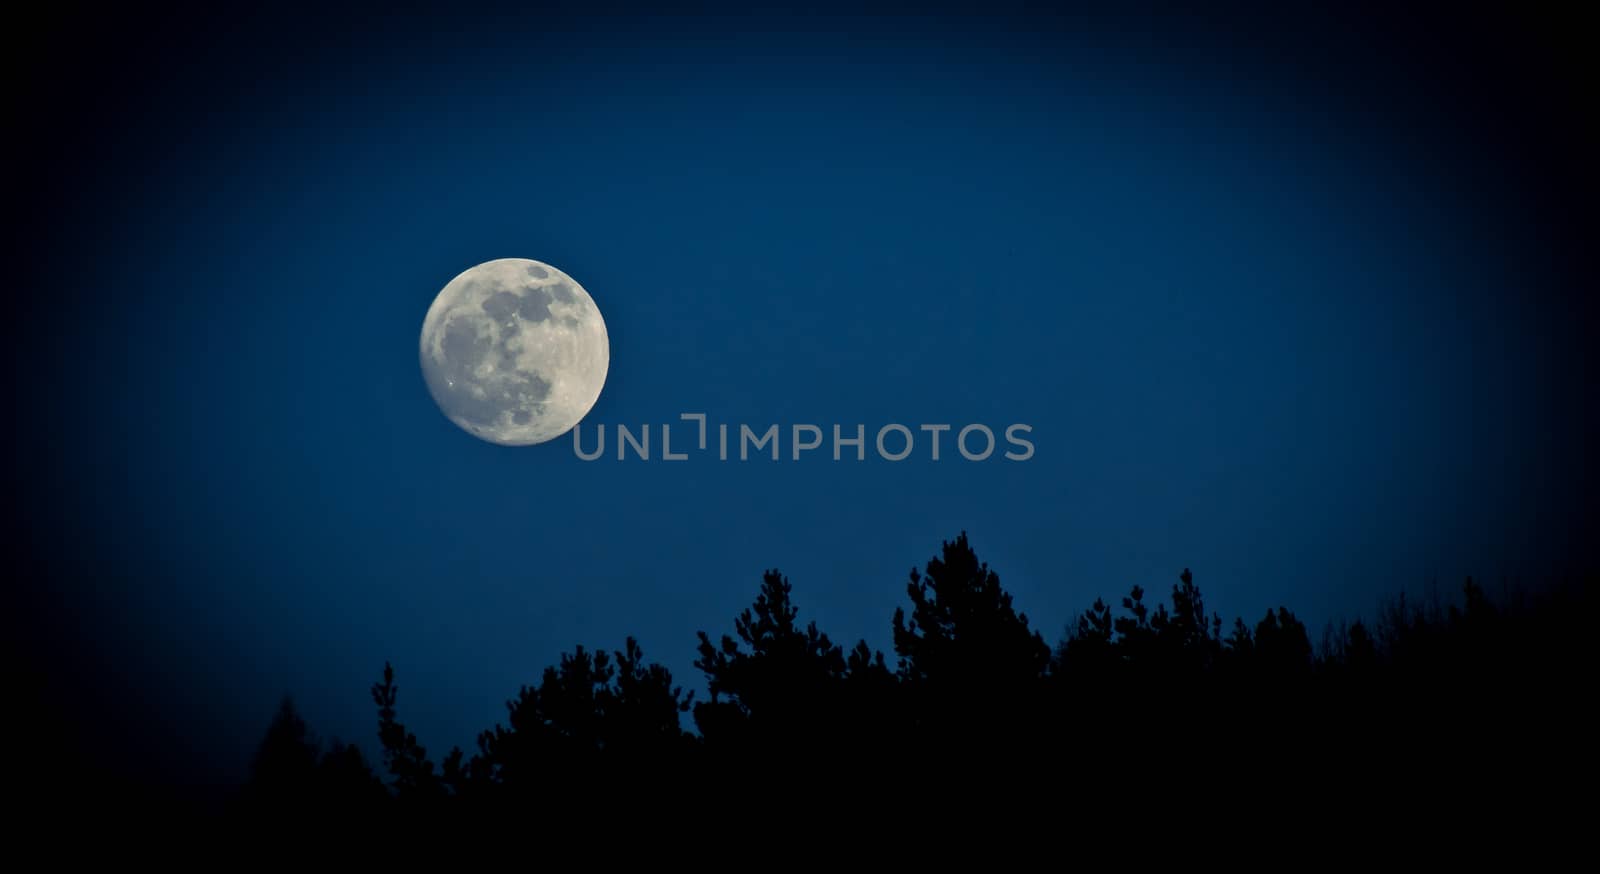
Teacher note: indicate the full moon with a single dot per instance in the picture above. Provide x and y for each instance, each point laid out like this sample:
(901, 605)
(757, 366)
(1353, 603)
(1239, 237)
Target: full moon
(514, 351)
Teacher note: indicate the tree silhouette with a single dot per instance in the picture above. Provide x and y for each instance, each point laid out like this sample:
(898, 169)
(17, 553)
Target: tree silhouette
(406, 760)
(962, 629)
(284, 770)
(1191, 641)
(1128, 700)
(1282, 648)
(292, 774)
(590, 718)
(774, 675)
(777, 686)
(968, 660)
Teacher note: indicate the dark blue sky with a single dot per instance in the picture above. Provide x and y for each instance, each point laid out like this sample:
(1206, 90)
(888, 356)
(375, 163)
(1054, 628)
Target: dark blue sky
(1288, 308)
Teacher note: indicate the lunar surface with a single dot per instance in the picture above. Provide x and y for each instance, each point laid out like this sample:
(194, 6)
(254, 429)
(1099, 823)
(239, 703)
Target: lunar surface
(514, 351)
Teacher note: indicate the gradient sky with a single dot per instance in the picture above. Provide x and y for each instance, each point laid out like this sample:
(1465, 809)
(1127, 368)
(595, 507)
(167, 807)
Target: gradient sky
(1294, 309)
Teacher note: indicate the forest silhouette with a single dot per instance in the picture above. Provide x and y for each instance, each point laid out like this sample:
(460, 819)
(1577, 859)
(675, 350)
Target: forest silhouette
(1146, 692)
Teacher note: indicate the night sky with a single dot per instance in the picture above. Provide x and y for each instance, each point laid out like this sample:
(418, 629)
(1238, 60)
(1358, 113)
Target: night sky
(1301, 305)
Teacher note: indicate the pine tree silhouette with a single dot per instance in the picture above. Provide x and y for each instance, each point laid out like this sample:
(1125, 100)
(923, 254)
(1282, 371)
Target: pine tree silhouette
(1152, 695)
